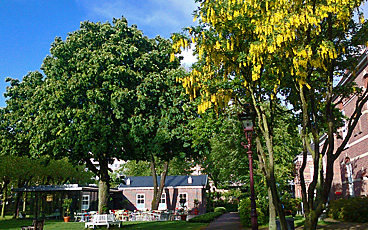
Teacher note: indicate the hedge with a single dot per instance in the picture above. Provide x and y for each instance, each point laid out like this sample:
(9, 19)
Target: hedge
(220, 209)
(351, 209)
(205, 218)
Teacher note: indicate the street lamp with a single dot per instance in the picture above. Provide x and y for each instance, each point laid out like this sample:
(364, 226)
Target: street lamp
(247, 122)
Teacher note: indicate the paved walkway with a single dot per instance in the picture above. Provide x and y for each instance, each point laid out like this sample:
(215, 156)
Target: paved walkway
(227, 221)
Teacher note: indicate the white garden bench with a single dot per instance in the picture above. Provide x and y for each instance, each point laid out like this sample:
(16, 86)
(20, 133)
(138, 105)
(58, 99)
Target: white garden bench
(102, 220)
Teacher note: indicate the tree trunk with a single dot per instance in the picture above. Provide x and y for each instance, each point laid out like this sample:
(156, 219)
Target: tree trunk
(16, 205)
(157, 189)
(24, 202)
(103, 188)
(310, 221)
(272, 211)
(4, 200)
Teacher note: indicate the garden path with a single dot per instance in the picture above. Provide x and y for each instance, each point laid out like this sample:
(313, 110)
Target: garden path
(227, 221)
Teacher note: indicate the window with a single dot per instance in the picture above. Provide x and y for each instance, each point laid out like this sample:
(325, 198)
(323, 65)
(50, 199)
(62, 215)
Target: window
(162, 205)
(140, 202)
(85, 202)
(183, 197)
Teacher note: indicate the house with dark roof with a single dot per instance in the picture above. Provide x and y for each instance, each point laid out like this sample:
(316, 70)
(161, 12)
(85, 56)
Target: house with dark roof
(48, 198)
(139, 192)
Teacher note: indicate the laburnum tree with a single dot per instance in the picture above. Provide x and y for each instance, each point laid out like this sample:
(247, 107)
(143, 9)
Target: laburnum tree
(229, 45)
(160, 121)
(254, 51)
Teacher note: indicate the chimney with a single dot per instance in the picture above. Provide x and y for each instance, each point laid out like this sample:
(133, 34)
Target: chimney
(127, 181)
(190, 180)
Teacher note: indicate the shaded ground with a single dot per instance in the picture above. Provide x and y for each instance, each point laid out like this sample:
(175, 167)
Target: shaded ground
(231, 221)
(227, 221)
(333, 224)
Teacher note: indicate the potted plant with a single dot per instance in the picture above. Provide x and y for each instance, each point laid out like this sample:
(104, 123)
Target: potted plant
(196, 204)
(182, 212)
(66, 205)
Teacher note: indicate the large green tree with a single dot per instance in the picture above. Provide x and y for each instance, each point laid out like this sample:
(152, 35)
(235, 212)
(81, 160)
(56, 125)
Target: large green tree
(82, 106)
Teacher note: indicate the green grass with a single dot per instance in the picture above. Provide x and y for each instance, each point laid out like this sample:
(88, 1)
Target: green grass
(300, 220)
(9, 224)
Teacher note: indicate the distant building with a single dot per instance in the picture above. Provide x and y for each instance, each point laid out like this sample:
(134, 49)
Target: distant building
(85, 197)
(139, 192)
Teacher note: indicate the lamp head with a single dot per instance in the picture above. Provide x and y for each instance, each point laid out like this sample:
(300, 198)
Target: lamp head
(246, 118)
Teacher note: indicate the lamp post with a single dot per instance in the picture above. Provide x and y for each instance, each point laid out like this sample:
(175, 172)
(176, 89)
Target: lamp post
(247, 122)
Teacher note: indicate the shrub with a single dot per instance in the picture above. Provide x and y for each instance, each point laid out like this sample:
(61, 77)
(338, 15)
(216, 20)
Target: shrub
(205, 218)
(292, 205)
(220, 209)
(352, 209)
(244, 213)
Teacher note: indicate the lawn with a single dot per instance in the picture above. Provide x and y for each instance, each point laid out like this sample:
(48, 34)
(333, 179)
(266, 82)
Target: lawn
(10, 224)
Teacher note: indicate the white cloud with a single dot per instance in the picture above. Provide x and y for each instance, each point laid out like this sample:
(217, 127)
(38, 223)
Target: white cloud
(189, 59)
(152, 16)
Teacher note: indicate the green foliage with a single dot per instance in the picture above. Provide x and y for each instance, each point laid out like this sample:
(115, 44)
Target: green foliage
(96, 82)
(216, 137)
(205, 218)
(351, 209)
(66, 205)
(220, 209)
(244, 212)
(177, 166)
(292, 205)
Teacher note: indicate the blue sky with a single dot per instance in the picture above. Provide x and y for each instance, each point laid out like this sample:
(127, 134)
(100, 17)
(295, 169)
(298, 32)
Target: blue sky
(28, 27)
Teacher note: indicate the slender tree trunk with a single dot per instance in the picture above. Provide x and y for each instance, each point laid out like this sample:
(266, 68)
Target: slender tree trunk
(4, 200)
(16, 205)
(272, 211)
(267, 163)
(155, 183)
(24, 202)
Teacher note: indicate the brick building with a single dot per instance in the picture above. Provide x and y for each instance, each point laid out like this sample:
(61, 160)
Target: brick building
(350, 169)
(139, 192)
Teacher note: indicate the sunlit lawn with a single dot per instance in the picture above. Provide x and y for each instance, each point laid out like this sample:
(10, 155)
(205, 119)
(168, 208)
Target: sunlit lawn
(10, 224)
(299, 221)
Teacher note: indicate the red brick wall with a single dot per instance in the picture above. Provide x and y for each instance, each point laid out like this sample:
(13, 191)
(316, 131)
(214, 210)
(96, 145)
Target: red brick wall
(172, 199)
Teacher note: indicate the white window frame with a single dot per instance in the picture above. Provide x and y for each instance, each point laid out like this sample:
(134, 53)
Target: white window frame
(187, 199)
(140, 206)
(85, 206)
(162, 205)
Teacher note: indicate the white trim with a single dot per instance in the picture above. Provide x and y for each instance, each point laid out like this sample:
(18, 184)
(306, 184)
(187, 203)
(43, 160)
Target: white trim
(354, 180)
(162, 206)
(144, 201)
(356, 158)
(85, 206)
(357, 141)
(350, 99)
(187, 199)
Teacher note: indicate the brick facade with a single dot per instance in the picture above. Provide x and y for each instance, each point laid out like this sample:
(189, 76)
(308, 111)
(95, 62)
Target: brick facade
(139, 193)
(350, 169)
(356, 151)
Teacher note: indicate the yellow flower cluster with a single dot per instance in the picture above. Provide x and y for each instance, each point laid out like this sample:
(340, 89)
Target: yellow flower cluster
(260, 29)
